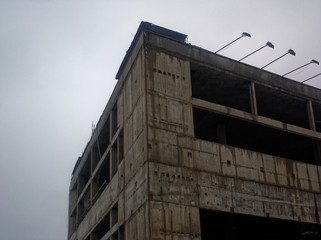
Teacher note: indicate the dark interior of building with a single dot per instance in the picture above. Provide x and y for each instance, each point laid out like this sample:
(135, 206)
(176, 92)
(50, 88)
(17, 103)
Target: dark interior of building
(229, 226)
(242, 134)
(228, 89)
(233, 91)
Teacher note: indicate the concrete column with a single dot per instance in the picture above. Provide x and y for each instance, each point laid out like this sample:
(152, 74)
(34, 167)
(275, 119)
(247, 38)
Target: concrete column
(113, 161)
(311, 115)
(317, 152)
(253, 98)
(316, 144)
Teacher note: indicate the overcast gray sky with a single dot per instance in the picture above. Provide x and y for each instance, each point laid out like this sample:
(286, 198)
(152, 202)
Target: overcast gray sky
(58, 61)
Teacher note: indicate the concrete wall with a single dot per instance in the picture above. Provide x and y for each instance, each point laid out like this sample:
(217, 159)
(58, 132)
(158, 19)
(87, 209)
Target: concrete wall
(166, 175)
(127, 189)
(187, 173)
(174, 214)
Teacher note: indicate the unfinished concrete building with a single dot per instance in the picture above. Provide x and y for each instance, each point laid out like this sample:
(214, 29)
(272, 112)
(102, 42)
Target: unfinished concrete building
(194, 145)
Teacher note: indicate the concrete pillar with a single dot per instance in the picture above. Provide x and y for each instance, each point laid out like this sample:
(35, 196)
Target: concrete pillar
(316, 144)
(311, 115)
(317, 152)
(253, 98)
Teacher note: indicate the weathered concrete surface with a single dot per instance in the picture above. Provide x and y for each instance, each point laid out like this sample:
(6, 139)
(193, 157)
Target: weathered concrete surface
(128, 188)
(189, 172)
(164, 174)
(171, 221)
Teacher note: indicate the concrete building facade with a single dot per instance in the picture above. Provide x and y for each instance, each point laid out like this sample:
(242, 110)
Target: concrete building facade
(194, 145)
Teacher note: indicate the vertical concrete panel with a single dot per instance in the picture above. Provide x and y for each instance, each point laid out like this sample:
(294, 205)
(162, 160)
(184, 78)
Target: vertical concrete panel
(121, 209)
(269, 169)
(142, 224)
(247, 164)
(128, 135)
(188, 120)
(175, 221)
(281, 171)
(163, 136)
(136, 191)
(120, 110)
(136, 157)
(292, 174)
(163, 153)
(170, 114)
(188, 158)
(171, 76)
(131, 229)
(227, 160)
(157, 223)
(313, 177)
(303, 175)
(173, 184)
(138, 118)
(137, 74)
(128, 103)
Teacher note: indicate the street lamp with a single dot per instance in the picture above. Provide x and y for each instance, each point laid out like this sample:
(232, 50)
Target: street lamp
(312, 61)
(290, 51)
(311, 78)
(268, 44)
(244, 34)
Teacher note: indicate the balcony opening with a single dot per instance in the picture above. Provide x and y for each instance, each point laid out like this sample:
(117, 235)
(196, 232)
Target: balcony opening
(317, 115)
(114, 158)
(101, 179)
(103, 139)
(95, 157)
(84, 205)
(228, 226)
(281, 106)
(84, 176)
(121, 233)
(102, 228)
(220, 87)
(242, 134)
(114, 215)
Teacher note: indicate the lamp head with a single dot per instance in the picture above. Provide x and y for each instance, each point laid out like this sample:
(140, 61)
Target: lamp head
(291, 52)
(314, 61)
(245, 34)
(269, 44)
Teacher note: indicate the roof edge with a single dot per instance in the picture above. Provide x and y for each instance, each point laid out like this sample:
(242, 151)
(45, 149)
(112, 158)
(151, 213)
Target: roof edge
(146, 26)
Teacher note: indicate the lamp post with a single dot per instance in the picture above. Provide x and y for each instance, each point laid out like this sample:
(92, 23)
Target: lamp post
(290, 51)
(244, 34)
(268, 44)
(311, 78)
(312, 61)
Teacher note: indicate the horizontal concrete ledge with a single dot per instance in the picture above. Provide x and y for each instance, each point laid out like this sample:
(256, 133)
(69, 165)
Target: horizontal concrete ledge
(232, 112)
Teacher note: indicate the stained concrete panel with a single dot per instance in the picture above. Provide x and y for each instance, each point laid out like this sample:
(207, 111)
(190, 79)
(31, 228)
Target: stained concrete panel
(171, 75)
(138, 118)
(138, 79)
(174, 221)
(137, 226)
(128, 99)
(120, 110)
(169, 114)
(173, 184)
